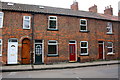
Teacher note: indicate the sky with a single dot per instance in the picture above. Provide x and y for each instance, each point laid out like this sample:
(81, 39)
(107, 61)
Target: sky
(83, 4)
(119, 5)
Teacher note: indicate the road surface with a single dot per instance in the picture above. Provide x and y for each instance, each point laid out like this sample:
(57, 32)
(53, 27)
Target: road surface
(107, 71)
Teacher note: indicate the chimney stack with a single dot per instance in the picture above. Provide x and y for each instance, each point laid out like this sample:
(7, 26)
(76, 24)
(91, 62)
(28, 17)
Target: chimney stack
(93, 9)
(108, 10)
(74, 6)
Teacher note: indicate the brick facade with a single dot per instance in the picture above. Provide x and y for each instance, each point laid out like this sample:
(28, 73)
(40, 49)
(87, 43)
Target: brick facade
(68, 29)
(93, 8)
(108, 10)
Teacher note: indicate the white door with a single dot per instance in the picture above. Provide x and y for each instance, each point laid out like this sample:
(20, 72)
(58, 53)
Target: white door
(12, 51)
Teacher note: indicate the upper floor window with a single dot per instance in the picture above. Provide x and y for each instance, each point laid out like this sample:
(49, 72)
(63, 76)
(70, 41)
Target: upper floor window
(84, 47)
(83, 25)
(52, 47)
(26, 22)
(109, 27)
(52, 23)
(0, 47)
(1, 19)
(110, 48)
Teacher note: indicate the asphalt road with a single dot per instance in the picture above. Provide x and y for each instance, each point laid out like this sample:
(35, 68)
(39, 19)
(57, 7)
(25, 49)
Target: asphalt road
(107, 71)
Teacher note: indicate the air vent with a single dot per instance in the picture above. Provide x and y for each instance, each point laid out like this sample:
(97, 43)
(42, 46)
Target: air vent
(41, 7)
(10, 4)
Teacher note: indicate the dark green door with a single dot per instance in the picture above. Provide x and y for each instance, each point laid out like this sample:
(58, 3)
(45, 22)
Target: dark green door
(38, 53)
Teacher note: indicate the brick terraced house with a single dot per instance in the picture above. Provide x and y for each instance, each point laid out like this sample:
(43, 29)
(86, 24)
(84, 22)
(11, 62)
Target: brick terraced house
(42, 34)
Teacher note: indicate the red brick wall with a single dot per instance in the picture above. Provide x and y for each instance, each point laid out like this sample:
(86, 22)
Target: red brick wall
(93, 9)
(68, 30)
(108, 11)
(74, 6)
(13, 29)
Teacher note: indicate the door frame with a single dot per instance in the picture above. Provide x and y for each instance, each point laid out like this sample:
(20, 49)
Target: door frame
(103, 48)
(42, 50)
(8, 50)
(75, 49)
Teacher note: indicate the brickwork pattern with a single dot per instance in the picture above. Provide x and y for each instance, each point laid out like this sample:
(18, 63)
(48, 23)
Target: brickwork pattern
(68, 29)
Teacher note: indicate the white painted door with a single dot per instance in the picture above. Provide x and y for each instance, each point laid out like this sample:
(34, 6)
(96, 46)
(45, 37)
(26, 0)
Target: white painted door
(12, 51)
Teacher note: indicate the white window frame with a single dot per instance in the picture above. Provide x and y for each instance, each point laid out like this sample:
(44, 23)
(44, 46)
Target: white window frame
(109, 27)
(83, 24)
(1, 47)
(83, 47)
(110, 47)
(1, 19)
(53, 20)
(28, 20)
(53, 44)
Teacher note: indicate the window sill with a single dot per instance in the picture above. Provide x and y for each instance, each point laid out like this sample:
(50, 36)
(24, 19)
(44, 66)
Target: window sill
(26, 29)
(53, 55)
(84, 31)
(84, 54)
(110, 54)
(52, 29)
(109, 33)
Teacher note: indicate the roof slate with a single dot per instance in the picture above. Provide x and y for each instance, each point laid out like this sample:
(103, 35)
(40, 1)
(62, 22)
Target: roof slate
(54, 10)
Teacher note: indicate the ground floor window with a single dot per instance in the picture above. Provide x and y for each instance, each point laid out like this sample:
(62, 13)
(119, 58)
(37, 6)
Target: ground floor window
(52, 47)
(0, 47)
(84, 48)
(110, 48)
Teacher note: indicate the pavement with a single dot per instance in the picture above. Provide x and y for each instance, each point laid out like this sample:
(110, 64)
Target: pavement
(14, 68)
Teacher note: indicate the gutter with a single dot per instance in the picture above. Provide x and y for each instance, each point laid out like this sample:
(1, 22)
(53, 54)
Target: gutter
(32, 42)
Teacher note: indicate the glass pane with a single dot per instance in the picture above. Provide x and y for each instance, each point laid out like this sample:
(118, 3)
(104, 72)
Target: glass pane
(83, 27)
(83, 22)
(52, 49)
(83, 50)
(109, 50)
(26, 23)
(0, 49)
(83, 44)
(71, 41)
(38, 41)
(0, 41)
(52, 24)
(109, 24)
(38, 49)
(0, 21)
(27, 17)
(100, 41)
(52, 17)
(109, 44)
(70, 48)
(52, 41)
(13, 40)
(1, 14)
(109, 29)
